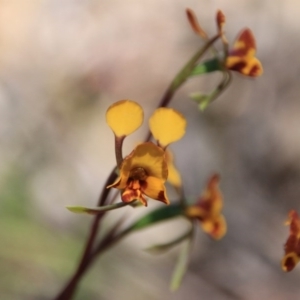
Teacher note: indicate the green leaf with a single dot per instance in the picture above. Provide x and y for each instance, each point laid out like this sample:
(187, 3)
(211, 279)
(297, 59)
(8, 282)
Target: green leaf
(187, 70)
(181, 266)
(167, 246)
(202, 100)
(97, 210)
(77, 209)
(208, 66)
(155, 216)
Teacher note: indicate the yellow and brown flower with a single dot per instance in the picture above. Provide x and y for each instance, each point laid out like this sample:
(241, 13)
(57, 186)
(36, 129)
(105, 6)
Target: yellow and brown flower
(241, 57)
(292, 245)
(144, 171)
(208, 210)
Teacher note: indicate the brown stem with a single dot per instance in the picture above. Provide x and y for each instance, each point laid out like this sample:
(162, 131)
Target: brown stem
(109, 240)
(118, 149)
(70, 287)
(87, 256)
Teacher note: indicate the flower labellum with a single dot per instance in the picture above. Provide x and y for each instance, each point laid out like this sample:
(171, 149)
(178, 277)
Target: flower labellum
(143, 172)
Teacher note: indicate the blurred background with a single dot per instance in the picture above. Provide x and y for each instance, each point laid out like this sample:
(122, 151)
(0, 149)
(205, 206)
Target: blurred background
(62, 63)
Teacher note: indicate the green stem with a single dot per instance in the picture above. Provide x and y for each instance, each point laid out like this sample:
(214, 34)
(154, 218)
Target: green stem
(97, 210)
(182, 76)
(222, 85)
(164, 247)
(186, 71)
(183, 260)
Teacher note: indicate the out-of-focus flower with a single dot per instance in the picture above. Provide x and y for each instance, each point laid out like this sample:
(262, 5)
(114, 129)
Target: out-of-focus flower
(241, 57)
(145, 170)
(292, 245)
(208, 210)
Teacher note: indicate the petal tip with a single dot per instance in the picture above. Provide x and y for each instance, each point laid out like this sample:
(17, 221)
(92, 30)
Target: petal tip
(124, 117)
(167, 125)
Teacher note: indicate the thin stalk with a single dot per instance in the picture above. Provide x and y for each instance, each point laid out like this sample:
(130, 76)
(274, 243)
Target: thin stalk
(98, 209)
(87, 256)
(69, 289)
(118, 149)
(109, 239)
(182, 76)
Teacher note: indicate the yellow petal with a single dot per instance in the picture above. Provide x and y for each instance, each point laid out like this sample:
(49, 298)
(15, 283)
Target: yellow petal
(124, 117)
(289, 261)
(215, 227)
(173, 174)
(195, 211)
(120, 183)
(167, 125)
(248, 66)
(155, 189)
(149, 157)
